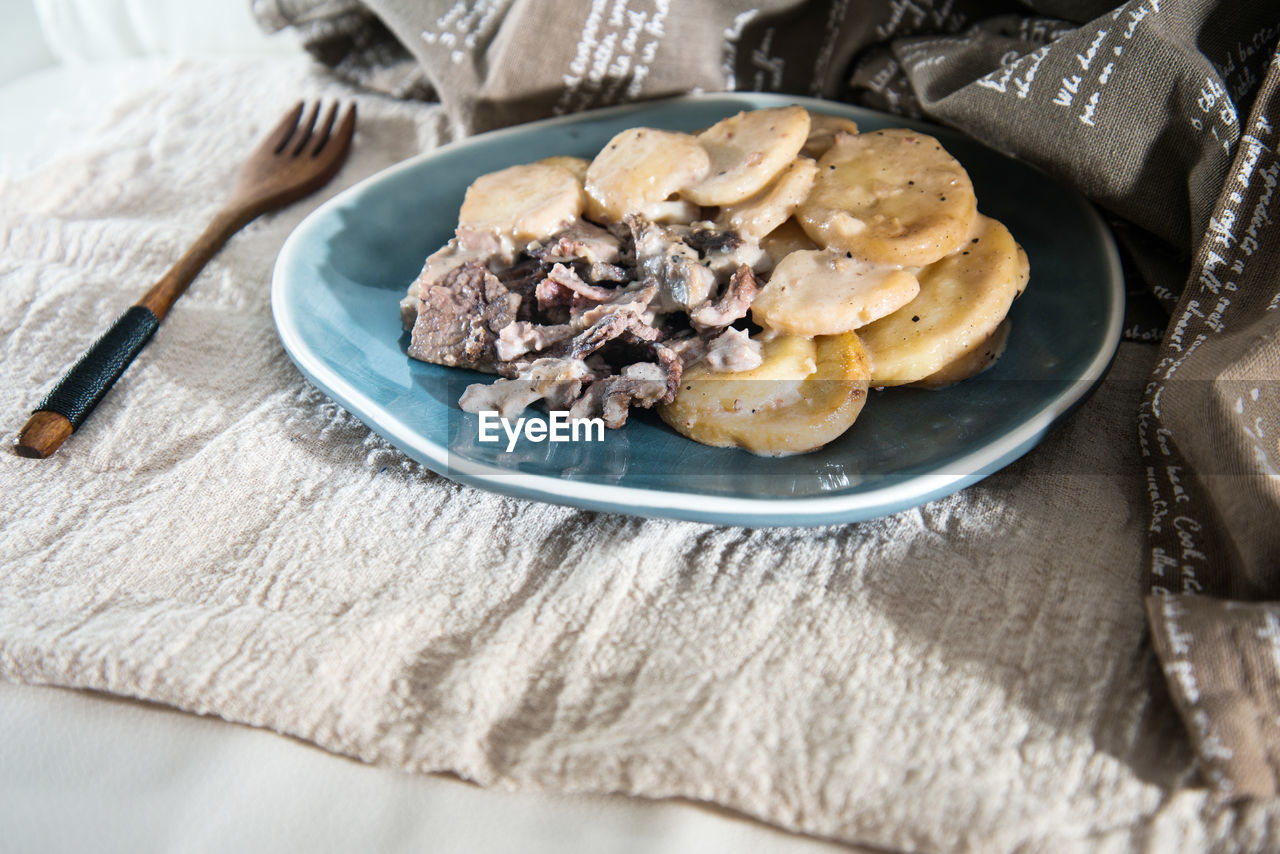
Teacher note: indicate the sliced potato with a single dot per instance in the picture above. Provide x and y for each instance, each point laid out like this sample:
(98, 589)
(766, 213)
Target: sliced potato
(822, 133)
(759, 214)
(747, 151)
(889, 197)
(529, 202)
(640, 169)
(820, 292)
(576, 165)
(673, 212)
(785, 239)
(972, 363)
(805, 393)
(963, 298)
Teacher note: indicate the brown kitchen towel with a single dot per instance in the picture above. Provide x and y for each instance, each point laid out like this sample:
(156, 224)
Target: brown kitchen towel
(1164, 112)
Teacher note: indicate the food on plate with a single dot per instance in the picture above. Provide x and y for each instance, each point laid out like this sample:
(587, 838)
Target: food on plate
(576, 165)
(821, 292)
(804, 393)
(639, 170)
(889, 197)
(963, 298)
(750, 282)
(822, 133)
(761, 213)
(522, 203)
(970, 364)
(785, 239)
(747, 151)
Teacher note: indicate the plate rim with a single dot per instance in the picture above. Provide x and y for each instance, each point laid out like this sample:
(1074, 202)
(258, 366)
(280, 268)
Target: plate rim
(764, 511)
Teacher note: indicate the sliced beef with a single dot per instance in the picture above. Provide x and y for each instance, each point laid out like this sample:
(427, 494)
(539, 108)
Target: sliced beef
(604, 330)
(688, 346)
(441, 263)
(641, 384)
(663, 259)
(522, 278)
(460, 316)
(733, 350)
(591, 402)
(516, 339)
(732, 305)
(636, 300)
(628, 349)
(602, 272)
(582, 241)
(563, 286)
(559, 381)
(554, 325)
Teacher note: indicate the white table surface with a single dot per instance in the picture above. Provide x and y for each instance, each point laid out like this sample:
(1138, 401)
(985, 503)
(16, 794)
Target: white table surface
(87, 772)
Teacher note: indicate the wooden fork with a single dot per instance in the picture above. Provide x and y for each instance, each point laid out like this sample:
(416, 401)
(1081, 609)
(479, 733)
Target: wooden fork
(297, 158)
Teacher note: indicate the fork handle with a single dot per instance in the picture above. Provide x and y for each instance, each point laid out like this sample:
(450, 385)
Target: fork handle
(162, 295)
(80, 389)
(78, 392)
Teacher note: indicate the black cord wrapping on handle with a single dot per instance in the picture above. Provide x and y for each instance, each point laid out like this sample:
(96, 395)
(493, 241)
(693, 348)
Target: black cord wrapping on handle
(79, 391)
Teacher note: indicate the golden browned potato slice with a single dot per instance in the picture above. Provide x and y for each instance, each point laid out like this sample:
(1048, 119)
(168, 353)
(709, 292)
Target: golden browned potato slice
(806, 393)
(785, 239)
(747, 151)
(889, 197)
(757, 215)
(972, 363)
(639, 169)
(820, 292)
(576, 165)
(529, 202)
(822, 133)
(963, 298)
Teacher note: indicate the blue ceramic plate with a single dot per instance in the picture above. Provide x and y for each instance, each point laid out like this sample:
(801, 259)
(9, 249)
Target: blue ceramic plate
(341, 274)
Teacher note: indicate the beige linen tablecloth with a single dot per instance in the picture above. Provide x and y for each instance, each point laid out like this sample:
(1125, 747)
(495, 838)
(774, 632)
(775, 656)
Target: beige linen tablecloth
(974, 674)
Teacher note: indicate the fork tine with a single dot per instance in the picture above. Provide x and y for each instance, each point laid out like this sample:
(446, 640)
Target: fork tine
(307, 125)
(338, 143)
(321, 135)
(279, 136)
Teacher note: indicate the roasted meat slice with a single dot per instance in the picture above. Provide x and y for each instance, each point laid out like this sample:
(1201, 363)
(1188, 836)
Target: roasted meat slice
(563, 286)
(460, 317)
(583, 242)
(559, 381)
(642, 384)
(732, 305)
(516, 339)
